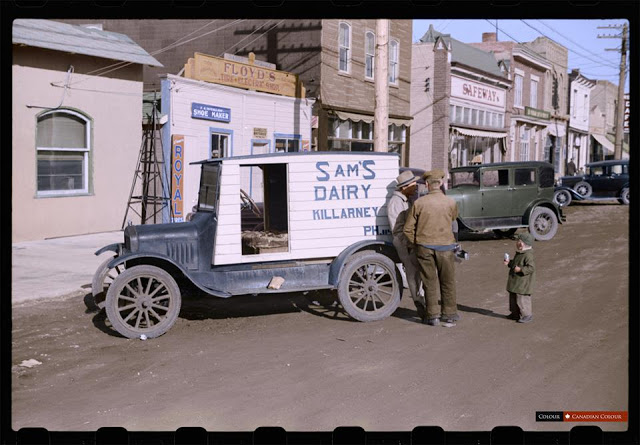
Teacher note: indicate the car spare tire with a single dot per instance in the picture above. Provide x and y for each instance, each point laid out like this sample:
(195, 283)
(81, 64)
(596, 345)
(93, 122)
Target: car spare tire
(583, 188)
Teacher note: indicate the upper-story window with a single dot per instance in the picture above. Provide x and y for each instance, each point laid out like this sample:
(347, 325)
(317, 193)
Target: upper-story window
(585, 108)
(534, 94)
(574, 105)
(517, 101)
(393, 61)
(345, 47)
(369, 54)
(63, 146)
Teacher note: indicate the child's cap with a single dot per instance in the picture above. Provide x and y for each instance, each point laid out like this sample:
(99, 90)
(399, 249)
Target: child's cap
(526, 238)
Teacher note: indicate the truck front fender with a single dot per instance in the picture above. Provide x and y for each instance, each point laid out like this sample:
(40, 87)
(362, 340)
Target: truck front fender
(116, 247)
(383, 247)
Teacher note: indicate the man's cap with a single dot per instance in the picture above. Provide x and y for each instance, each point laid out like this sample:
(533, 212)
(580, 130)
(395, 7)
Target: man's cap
(405, 179)
(526, 238)
(433, 175)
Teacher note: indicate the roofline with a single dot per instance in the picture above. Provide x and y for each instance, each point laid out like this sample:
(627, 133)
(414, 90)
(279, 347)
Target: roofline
(504, 164)
(294, 154)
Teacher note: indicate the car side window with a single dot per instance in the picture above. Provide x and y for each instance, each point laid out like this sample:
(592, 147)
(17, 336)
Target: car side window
(596, 171)
(495, 178)
(525, 176)
(616, 169)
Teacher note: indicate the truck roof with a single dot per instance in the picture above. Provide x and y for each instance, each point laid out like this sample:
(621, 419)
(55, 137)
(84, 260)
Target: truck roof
(251, 159)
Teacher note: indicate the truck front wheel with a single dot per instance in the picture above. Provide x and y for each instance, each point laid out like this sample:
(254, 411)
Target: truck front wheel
(369, 289)
(143, 300)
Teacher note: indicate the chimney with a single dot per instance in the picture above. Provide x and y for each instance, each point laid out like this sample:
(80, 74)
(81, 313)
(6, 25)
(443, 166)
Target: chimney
(489, 37)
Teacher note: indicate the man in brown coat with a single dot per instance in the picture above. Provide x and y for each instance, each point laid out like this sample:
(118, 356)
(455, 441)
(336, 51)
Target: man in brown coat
(429, 227)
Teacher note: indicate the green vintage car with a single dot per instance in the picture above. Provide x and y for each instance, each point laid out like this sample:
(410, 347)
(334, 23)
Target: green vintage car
(506, 196)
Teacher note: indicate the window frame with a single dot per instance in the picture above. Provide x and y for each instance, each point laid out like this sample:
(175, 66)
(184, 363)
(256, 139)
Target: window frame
(221, 132)
(287, 138)
(347, 48)
(525, 141)
(86, 154)
(533, 93)
(370, 57)
(518, 87)
(394, 65)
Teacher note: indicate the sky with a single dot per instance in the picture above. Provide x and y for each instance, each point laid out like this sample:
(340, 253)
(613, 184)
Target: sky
(586, 51)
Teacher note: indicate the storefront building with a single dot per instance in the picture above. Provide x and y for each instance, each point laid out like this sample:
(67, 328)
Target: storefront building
(226, 108)
(467, 101)
(75, 135)
(578, 140)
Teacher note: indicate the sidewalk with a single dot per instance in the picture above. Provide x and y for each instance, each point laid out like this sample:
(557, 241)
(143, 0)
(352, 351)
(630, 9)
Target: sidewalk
(57, 267)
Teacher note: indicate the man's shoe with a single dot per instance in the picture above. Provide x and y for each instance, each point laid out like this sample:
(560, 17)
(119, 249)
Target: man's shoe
(432, 321)
(513, 316)
(422, 312)
(450, 318)
(526, 319)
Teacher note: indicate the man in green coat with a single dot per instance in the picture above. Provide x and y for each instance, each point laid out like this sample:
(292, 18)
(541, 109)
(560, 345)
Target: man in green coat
(522, 279)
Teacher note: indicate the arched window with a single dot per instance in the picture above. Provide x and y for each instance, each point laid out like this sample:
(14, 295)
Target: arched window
(344, 44)
(63, 146)
(393, 61)
(369, 54)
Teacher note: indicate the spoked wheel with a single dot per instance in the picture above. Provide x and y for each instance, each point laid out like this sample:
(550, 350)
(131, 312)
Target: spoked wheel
(624, 196)
(543, 224)
(583, 188)
(102, 280)
(143, 300)
(562, 198)
(247, 201)
(369, 289)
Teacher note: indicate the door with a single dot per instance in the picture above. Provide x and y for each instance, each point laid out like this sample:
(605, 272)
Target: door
(496, 193)
(600, 181)
(525, 189)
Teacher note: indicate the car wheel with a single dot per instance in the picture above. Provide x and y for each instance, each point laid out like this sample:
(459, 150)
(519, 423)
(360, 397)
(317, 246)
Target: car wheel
(102, 280)
(583, 188)
(505, 233)
(562, 198)
(143, 300)
(369, 289)
(624, 196)
(543, 223)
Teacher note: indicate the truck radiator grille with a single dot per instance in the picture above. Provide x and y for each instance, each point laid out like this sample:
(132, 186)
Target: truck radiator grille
(184, 253)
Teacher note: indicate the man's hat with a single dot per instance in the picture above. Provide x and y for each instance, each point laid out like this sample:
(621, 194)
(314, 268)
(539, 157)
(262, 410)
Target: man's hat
(405, 179)
(433, 175)
(526, 238)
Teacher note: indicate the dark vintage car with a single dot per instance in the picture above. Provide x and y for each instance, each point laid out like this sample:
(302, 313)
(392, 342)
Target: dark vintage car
(506, 196)
(602, 181)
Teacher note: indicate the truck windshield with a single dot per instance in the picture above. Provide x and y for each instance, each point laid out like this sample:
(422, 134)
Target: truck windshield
(209, 190)
(469, 177)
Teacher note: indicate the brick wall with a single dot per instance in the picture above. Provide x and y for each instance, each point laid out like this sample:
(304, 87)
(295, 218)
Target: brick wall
(441, 96)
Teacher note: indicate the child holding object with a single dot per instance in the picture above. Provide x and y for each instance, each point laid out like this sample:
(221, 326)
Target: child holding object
(522, 279)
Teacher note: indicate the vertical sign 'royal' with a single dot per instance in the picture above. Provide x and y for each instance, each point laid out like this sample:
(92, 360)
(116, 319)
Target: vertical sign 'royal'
(177, 169)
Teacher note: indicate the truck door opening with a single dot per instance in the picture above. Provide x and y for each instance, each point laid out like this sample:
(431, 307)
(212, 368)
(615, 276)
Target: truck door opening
(264, 217)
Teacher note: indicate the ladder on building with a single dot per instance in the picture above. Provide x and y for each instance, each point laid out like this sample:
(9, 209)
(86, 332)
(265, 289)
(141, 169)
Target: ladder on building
(153, 196)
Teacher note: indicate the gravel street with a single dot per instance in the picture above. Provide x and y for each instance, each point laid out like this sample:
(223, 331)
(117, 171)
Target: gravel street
(298, 362)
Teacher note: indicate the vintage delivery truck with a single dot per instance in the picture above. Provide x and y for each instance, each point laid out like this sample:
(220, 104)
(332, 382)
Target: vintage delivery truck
(323, 226)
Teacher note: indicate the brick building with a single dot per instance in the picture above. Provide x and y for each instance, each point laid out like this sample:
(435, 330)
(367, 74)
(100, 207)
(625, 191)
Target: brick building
(458, 104)
(333, 58)
(603, 114)
(528, 114)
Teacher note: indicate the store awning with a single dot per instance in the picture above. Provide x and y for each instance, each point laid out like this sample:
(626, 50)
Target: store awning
(558, 131)
(625, 146)
(357, 117)
(602, 140)
(479, 133)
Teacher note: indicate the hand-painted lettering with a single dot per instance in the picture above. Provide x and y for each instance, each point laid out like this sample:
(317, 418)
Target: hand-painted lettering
(365, 165)
(319, 166)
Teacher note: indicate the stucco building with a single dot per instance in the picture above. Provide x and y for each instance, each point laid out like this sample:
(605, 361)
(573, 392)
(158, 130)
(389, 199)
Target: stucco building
(76, 128)
(604, 111)
(579, 110)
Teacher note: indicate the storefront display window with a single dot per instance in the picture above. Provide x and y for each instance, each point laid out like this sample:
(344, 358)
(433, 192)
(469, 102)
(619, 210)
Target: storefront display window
(347, 135)
(63, 146)
(287, 143)
(473, 116)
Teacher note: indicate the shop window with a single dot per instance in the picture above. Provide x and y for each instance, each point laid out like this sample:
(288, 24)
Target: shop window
(517, 101)
(397, 136)
(481, 118)
(63, 147)
(287, 143)
(474, 117)
(452, 113)
(369, 54)
(467, 115)
(525, 176)
(345, 48)
(458, 114)
(393, 62)
(220, 145)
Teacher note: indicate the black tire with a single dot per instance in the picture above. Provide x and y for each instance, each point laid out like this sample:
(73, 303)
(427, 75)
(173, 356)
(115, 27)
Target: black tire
(624, 196)
(505, 233)
(102, 280)
(368, 280)
(562, 198)
(143, 300)
(543, 223)
(583, 188)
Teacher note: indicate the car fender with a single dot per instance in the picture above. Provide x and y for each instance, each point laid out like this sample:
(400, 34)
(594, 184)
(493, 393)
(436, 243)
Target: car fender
(574, 195)
(162, 261)
(116, 248)
(543, 203)
(383, 247)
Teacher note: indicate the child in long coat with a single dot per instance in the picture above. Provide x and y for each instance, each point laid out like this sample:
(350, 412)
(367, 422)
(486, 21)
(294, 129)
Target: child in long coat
(522, 279)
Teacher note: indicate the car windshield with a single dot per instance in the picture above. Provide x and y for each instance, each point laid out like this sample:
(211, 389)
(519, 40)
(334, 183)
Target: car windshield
(208, 195)
(468, 177)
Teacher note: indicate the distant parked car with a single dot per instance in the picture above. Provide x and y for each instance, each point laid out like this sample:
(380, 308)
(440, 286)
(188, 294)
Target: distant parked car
(506, 196)
(602, 181)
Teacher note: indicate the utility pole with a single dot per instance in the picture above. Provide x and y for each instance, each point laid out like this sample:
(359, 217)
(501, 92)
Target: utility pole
(381, 114)
(623, 68)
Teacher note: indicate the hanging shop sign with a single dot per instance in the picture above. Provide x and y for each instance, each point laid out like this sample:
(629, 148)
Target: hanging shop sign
(477, 92)
(210, 112)
(177, 181)
(243, 75)
(625, 123)
(534, 112)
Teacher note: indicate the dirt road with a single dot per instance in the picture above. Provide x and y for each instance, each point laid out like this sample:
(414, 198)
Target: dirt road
(298, 362)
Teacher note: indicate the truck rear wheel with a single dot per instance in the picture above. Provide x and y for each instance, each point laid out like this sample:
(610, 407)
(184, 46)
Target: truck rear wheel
(369, 289)
(143, 300)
